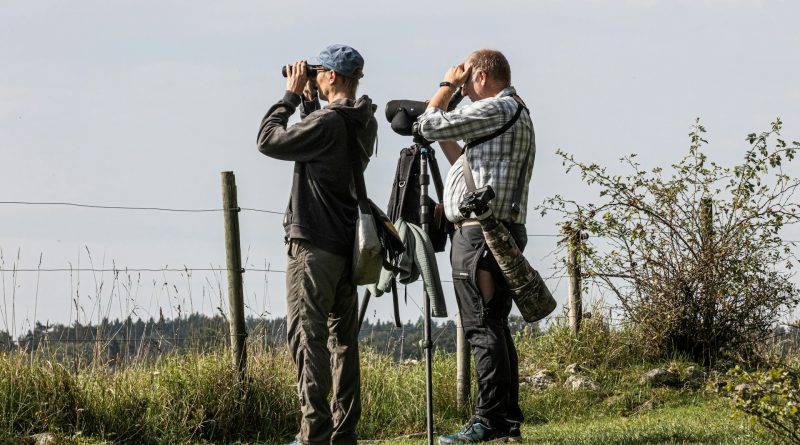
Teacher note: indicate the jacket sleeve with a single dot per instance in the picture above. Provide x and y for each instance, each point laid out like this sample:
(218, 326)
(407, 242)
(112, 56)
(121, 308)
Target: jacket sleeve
(301, 142)
(473, 121)
(308, 106)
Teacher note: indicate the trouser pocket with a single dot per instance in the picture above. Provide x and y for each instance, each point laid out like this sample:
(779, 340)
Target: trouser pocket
(468, 246)
(470, 303)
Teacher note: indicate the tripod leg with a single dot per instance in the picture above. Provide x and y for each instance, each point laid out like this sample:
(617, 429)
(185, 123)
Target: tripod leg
(425, 219)
(397, 322)
(363, 310)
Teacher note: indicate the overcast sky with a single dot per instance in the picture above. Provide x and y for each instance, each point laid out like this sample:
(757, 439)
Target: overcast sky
(139, 103)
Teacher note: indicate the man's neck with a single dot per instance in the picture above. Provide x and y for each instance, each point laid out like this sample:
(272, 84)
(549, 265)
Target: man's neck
(338, 95)
(492, 92)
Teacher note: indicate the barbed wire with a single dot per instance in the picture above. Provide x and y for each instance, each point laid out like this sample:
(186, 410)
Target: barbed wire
(122, 207)
(170, 209)
(166, 269)
(109, 207)
(273, 212)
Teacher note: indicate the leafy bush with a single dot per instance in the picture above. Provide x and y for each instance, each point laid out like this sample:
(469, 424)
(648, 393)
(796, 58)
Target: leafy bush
(771, 397)
(695, 259)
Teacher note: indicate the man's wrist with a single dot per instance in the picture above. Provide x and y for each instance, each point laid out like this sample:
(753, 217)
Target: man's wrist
(448, 85)
(292, 98)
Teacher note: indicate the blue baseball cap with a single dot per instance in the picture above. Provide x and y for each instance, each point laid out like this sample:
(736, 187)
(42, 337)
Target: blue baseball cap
(343, 59)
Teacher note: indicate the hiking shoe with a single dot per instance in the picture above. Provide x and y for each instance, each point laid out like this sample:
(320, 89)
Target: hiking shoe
(476, 430)
(294, 442)
(514, 434)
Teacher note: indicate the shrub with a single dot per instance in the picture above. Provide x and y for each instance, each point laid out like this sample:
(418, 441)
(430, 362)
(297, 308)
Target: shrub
(695, 259)
(770, 397)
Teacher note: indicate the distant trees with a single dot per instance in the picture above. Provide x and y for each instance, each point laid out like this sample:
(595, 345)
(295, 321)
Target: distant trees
(694, 255)
(118, 341)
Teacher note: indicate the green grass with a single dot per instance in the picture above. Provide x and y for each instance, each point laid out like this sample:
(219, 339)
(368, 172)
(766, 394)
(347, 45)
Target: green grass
(194, 398)
(704, 423)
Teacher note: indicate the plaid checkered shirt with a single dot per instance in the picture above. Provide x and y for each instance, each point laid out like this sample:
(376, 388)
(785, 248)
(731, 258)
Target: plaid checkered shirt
(496, 162)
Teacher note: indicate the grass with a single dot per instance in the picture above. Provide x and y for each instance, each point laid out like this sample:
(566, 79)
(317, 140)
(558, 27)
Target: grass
(704, 423)
(194, 398)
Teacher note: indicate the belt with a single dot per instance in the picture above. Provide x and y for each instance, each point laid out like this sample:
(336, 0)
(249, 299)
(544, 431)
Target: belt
(467, 222)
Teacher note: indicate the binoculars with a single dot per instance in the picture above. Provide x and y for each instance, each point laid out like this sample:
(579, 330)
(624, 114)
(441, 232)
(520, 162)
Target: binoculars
(310, 69)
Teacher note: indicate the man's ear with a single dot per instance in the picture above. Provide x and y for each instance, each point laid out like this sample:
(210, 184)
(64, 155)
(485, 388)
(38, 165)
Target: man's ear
(482, 78)
(333, 77)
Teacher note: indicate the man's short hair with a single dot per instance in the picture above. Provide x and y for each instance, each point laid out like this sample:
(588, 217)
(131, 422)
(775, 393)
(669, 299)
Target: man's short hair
(494, 63)
(350, 84)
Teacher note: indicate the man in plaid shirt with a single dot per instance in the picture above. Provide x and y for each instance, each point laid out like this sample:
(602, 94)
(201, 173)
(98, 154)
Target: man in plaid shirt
(505, 162)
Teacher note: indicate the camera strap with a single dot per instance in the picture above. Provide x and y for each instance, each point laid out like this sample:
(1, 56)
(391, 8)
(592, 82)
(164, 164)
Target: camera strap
(467, 171)
(499, 131)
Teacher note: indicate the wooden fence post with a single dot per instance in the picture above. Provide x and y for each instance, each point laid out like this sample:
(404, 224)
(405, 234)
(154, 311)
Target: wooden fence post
(707, 222)
(707, 249)
(234, 261)
(463, 383)
(574, 271)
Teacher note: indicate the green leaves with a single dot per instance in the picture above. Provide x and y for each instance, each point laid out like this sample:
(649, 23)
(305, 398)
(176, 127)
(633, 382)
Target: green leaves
(771, 397)
(705, 293)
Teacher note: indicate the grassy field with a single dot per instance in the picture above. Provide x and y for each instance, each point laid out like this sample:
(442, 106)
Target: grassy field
(702, 423)
(194, 398)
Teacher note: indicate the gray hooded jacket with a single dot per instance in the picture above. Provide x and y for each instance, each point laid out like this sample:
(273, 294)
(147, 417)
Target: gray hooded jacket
(322, 207)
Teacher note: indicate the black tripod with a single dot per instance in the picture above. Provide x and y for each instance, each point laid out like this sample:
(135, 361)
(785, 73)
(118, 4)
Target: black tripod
(425, 150)
(426, 154)
(403, 115)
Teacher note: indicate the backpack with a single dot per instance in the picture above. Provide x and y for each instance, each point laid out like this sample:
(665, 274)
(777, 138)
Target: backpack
(404, 201)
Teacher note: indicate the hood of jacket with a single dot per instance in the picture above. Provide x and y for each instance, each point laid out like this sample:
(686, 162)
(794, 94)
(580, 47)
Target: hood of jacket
(360, 115)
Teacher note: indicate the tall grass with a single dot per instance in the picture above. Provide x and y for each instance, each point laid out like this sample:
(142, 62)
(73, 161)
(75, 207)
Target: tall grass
(176, 399)
(196, 397)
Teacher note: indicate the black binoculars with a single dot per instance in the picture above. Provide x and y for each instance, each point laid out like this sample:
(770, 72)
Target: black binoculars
(311, 70)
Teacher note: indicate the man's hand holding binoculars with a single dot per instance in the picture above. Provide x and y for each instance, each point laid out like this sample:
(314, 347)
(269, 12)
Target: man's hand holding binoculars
(457, 75)
(298, 82)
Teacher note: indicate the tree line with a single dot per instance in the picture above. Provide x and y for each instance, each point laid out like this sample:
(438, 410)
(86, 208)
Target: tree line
(118, 341)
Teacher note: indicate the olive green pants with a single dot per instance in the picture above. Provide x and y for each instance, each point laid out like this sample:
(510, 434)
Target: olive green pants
(322, 320)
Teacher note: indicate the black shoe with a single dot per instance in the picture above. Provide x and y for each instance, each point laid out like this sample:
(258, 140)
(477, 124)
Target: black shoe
(514, 434)
(477, 430)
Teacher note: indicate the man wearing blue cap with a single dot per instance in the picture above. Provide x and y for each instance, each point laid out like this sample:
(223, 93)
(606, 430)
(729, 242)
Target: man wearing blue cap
(322, 306)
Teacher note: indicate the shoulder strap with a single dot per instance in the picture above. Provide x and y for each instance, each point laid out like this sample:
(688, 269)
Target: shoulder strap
(400, 186)
(499, 131)
(467, 171)
(517, 197)
(355, 163)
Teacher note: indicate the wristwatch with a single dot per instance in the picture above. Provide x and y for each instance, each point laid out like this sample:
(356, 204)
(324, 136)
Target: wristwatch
(448, 85)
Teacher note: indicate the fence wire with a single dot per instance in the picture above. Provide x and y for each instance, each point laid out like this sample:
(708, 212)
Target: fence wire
(186, 269)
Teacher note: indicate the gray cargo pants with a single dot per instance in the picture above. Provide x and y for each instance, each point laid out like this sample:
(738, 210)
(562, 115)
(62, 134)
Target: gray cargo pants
(322, 320)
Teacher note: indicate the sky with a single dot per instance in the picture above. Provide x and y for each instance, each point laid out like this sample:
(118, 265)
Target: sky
(144, 103)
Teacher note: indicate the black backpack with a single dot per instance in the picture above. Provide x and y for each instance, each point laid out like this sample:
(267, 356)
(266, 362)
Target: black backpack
(404, 201)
